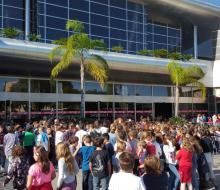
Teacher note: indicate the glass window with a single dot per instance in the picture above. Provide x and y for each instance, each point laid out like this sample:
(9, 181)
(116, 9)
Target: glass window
(13, 13)
(135, 37)
(161, 91)
(117, 13)
(119, 34)
(69, 87)
(136, 27)
(79, 15)
(43, 86)
(159, 46)
(150, 45)
(114, 42)
(56, 34)
(143, 110)
(149, 28)
(80, 5)
(173, 32)
(19, 110)
(98, 8)
(143, 90)
(18, 3)
(105, 40)
(69, 110)
(41, 20)
(41, 8)
(101, 1)
(56, 23)
(135, 17)
(124, 110)
(120, 4)
(135, 7)
(106, 110)
(196, 92)
(173, 48)
(124, 90)
(91, 110)
(57, 11)
(13, 85)
(132, 46)
(116, 23)
(185, 92)
(13, 23)
(160, 39)
(173, 41)
(98, 19)
(59, 2)
(200, 108)
(160, 30)
(95, 88)
(99, 31)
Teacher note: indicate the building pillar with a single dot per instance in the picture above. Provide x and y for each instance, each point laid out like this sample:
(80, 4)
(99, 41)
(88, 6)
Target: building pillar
(29, 99)
(27, 19)
(57, 98)
(195, 29)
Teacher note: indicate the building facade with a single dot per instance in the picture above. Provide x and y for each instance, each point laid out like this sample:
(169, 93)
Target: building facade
(138, 85)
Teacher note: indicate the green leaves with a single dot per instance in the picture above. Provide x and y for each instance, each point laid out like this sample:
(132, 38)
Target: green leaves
(10, 32)
(75, 25)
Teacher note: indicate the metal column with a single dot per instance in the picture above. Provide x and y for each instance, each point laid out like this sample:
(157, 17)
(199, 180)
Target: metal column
(27, 19)
(195, 42)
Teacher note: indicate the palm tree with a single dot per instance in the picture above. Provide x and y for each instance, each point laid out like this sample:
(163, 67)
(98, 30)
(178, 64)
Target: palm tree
(181, 76)
(77, 47)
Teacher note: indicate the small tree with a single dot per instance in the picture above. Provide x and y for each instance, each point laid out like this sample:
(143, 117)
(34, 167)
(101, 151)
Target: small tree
(77, 46)
(61, 41)
(117, 49)
(187, 57)
(144, 52)
(160, 53)
(181, 76)
(10, 32)
(175, 56)
(34, 37)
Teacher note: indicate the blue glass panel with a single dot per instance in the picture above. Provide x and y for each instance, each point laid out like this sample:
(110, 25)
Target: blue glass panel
(98, 8)
(160, 46)
(58, 2)
(132, 46)
(55, 34)
(161, 91)
(117, 13)
(116, 23)
(136, 27)
(13, 13)
(79, 15)
(105, 40)
(149, 37)
(41, 20)
(160, 30)
(13, 23)
(119, 34)
(173, 41)
(117, 3)
(150, 45)
(114, 42)
(160, 39)
(139, 46)
(149, 28)
(98, 19)
(101, 1)
(135, 7)
(57, 11)
(143, 90)
(41, 32)
(40, 8)
(99, 31)
(124, 90)
(80, 5)
(56, 23)
(135, 17)
(173, 32)
(14, 3)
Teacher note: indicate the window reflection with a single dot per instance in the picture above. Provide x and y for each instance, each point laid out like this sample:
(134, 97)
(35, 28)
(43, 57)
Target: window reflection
(185, 92)
(161, 91)
(95, 88)
(124, 110)
(69, 87)
(124, 90)
(13, 85)
(143, 90)
(43, 86)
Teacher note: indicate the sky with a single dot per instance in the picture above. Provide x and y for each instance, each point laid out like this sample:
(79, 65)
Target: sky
(214, 2)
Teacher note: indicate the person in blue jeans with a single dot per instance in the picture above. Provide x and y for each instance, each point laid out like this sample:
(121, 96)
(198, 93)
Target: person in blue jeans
(85, 152)
(100, 165)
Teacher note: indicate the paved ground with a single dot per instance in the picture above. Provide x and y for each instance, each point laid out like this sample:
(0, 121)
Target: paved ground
(79, 177)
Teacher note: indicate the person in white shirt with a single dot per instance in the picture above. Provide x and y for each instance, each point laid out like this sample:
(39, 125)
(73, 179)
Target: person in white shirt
(125, 179)
(80, 133)
(59, 135)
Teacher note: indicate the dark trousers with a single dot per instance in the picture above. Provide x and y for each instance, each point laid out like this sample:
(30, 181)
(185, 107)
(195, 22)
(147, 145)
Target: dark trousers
(28, 150)
(87, 180)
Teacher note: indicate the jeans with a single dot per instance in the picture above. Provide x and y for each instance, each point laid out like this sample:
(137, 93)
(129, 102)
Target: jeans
(87, 180)
(2, 159)
(100, 183)
(176, 180)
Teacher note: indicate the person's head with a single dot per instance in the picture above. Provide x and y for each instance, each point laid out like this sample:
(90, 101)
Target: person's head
(105, 136)
(40, 129)
(74, 141)
(126, 161)
(1, 129)
(133, 134)
(122, 135)
(152, 165)
(187, 145)
(112, 128)
(98, 142)
(63, 151)
(10, 129)
(121, 146)
(87, 140)
(17, 151)
(49, 130)
(41, 156)
(142, 145)
(146, 135)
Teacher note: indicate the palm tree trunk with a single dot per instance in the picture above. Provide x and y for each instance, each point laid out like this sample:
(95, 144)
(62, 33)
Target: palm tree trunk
(82, 78)
(177, 101)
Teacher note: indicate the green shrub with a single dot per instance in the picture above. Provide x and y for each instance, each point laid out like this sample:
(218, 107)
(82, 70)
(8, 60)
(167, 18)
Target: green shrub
(177, 121)
(60, 41)
(10, 32)
(34, 37)
(175, 56)
(144, 52)
(160, 53)
(117, 49)
(187, 57)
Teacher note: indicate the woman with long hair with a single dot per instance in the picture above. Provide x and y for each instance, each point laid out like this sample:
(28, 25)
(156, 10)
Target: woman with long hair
(42, 172)
(67, 168)
(184, 157)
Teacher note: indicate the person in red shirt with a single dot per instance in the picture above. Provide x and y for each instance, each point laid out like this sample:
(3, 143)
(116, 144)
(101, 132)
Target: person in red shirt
(184, 157)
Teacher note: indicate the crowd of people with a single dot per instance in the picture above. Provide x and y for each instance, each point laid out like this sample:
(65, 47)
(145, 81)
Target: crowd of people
(120, 155)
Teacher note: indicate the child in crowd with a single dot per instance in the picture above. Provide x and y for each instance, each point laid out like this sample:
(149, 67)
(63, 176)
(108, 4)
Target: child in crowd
(125, 179)
(100, 165)
(154, 177)
(142, 154)
(73, 144)
(86, 151)
(147, 137)
(18, 170)
(184, 157)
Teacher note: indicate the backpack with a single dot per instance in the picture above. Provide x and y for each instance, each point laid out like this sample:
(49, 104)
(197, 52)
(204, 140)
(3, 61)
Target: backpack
(151, 149)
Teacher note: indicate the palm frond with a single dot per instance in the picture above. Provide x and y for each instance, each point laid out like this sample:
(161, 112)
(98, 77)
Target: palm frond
(200, 86)
(195, 71)
(97, 67)
(75, 25)
(57, 51)
(98, 44)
